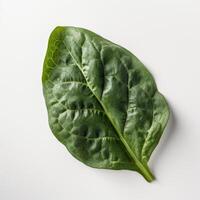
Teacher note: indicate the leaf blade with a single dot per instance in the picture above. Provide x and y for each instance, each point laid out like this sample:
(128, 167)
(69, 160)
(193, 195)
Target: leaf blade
(104, 69)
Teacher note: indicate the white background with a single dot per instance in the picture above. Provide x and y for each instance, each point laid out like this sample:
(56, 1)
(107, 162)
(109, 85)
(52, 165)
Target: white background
(164, 34)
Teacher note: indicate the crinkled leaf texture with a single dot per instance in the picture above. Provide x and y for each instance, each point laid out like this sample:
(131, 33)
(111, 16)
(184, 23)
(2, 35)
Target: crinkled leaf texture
(102, 102)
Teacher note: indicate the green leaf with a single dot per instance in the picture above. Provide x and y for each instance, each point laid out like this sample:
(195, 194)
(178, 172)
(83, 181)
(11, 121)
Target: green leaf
(102, 102)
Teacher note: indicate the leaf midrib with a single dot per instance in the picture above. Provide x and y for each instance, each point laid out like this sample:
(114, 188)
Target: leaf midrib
(145, 172)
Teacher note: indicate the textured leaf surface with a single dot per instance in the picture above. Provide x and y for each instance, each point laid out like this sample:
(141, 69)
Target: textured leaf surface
(102, 103)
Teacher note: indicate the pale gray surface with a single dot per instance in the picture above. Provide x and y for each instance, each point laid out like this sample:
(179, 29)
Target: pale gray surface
(164, 34)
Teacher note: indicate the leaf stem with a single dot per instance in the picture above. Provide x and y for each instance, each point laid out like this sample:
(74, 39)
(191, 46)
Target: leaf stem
(146, 173)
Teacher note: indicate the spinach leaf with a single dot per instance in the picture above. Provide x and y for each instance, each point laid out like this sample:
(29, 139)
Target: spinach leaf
(102, 102)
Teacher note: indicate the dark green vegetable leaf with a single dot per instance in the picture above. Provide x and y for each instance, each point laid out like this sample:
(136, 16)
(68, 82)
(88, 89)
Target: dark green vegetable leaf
(103, 104)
